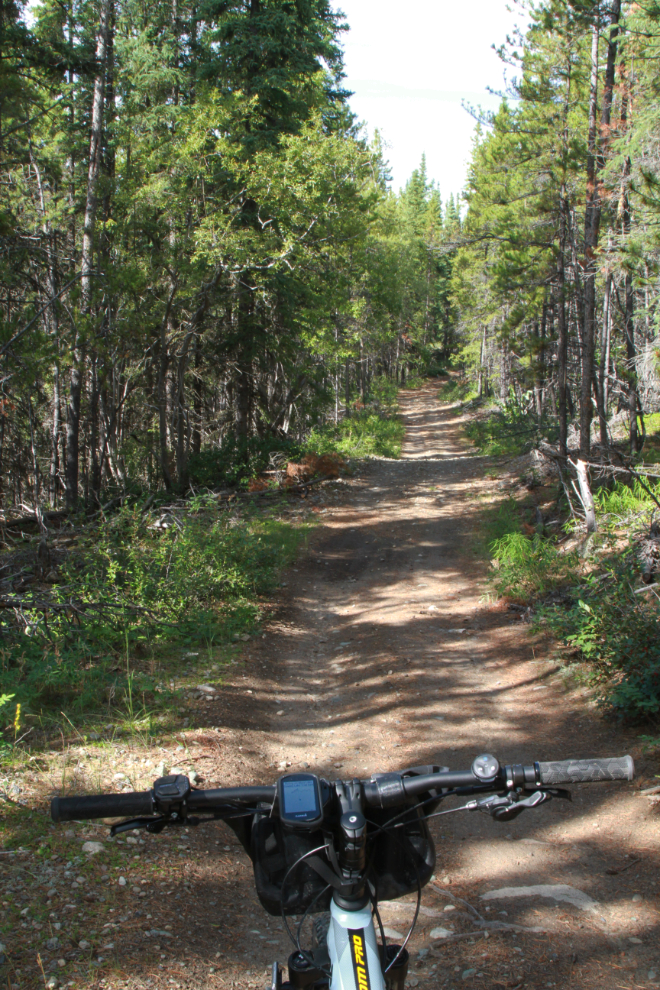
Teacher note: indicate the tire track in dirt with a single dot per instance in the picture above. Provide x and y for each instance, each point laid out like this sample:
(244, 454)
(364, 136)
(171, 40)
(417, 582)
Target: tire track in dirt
(382, 653)
(390, 657)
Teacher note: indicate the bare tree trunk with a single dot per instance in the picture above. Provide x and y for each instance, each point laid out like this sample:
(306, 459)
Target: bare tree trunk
(629, 307)
(586, 497)
(77, 369)
(95, 479)
(560, 307)
(55, 436)
(603, 371)
(196, 443)
(591, 226)
(562, 335)
(595, 165)
(631, 355)
(52, 330)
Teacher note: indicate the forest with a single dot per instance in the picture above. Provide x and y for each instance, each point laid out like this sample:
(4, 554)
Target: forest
(201, 257)
(205, 273)
(556, 283)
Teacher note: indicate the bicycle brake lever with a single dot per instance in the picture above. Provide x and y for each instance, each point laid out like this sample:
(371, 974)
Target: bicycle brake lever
(158, 824)
(150, 824)
(504, 807)
(559, 792)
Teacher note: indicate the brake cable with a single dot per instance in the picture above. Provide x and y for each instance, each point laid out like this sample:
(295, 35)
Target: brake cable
(308, 909)
(300, 859)
(381, 828)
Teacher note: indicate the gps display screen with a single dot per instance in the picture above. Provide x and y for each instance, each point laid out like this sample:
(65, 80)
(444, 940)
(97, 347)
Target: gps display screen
(300, 798)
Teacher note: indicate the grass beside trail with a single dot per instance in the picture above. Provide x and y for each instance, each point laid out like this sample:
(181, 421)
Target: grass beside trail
(584, 591)
(374, 431)
(150, 601)
(366, 434)
(142, 604)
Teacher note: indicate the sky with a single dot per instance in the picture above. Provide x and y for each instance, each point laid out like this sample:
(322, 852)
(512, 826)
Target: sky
(410, 66)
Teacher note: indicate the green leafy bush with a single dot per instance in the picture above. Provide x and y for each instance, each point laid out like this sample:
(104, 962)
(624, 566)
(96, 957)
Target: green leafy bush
(157, 591)
(374, 431)
(616, 632)
(457, 390)
(366, 434)
(609, 628)
(624, 502)
(236, 460)
(510, 429)
(527, 567)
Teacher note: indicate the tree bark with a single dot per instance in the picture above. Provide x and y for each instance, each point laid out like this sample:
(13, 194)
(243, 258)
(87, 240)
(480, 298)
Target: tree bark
(591, 226)
(586, 497)
(87, 259)
(597, 153)
(560, 281)
(603, 372)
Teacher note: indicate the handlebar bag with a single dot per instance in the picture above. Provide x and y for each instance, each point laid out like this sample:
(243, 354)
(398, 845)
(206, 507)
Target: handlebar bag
(401, 857)
(274, 851)
(396, 858)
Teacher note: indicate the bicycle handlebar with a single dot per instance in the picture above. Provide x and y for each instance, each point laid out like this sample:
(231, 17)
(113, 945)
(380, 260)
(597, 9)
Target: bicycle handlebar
(382, 790)
(587, 771)
(102, 806)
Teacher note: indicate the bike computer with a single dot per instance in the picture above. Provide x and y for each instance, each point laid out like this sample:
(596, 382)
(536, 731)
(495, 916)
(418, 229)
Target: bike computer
(299, 799)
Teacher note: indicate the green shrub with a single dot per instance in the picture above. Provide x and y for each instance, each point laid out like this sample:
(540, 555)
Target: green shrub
(457, 390)
(158, 591)
(236, 460)
(366, 434)
(527, 567)
(624, 502)
(512, 428)
(609, 628)
(616, 632)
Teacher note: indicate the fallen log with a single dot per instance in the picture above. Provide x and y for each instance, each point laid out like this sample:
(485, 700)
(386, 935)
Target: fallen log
(33, 518)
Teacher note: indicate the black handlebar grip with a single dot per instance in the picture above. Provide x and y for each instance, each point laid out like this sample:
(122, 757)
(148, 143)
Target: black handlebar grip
(102, 806)
(584, 771)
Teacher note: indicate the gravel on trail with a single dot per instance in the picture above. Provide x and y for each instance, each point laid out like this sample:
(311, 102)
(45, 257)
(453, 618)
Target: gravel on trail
(384, 650)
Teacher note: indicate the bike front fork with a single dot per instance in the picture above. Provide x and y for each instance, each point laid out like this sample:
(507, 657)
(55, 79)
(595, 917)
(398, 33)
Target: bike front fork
(352, 957)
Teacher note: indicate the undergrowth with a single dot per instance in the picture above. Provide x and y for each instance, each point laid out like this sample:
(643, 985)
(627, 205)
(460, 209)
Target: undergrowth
(366, 434)
(457, 390)
(136, 607)
(614, 631)
(607, 626)
(374, 431)
(511, 427)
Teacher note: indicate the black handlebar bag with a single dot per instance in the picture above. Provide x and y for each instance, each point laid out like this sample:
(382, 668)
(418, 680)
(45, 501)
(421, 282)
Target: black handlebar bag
(398, 860)
(401, 859)
(274, 851)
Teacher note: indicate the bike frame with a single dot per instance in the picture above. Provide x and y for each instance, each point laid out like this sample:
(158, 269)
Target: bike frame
(352, 958)
(353, 950)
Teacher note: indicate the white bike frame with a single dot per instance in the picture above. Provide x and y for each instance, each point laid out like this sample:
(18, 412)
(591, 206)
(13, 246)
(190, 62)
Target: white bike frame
(353, 950)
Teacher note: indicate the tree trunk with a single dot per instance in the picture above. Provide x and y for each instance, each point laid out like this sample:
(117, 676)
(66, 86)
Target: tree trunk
(560, 307)
(86, 264)
(603, 371)
(631, 355)
(629, 306)
(586, 497)
(591, 226)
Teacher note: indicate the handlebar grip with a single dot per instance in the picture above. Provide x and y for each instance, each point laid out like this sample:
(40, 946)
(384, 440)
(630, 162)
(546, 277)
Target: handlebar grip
(584, 771)
(101, 806)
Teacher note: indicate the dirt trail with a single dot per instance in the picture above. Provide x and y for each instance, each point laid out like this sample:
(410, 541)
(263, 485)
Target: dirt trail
(388, 657)
(382, 653)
